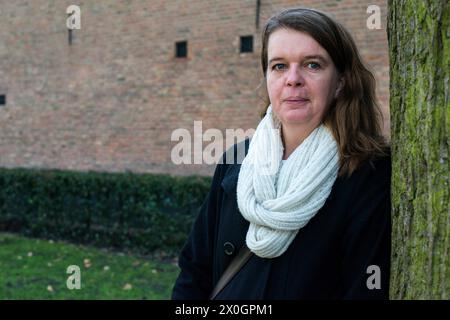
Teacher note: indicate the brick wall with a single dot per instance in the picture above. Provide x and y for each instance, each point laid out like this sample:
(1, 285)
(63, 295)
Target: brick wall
(111, 100)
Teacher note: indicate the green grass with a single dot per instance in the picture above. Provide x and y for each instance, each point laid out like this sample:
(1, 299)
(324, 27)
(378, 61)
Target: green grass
(37, 269)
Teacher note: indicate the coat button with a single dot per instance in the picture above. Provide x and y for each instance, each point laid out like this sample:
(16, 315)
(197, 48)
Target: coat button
(228, 247)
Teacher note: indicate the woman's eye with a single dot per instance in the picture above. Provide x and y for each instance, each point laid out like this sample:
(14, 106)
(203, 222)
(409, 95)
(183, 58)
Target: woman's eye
(279, 66)
(313, 65)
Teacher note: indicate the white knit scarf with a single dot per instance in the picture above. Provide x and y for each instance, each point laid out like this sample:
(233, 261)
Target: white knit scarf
(279, 198)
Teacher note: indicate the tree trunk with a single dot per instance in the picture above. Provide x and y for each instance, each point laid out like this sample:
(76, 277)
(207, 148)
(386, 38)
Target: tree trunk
(419, 33)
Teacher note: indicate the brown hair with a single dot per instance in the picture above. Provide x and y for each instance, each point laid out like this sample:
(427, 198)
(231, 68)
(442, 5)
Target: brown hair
(354, 117)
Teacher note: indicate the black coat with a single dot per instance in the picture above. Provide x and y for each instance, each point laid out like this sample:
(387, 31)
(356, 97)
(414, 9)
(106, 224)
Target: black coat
(328, 259)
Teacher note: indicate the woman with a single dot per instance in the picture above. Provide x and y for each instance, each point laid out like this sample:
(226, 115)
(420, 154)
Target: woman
(311, 200)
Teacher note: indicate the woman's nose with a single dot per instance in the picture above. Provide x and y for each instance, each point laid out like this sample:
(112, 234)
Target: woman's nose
(294, 77)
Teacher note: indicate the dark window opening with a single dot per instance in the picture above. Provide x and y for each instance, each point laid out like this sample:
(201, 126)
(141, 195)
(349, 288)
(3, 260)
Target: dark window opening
(247, 44)
(181, 49)
(2, 99)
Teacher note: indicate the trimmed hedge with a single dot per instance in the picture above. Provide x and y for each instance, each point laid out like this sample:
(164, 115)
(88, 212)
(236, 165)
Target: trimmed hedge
(138, 212)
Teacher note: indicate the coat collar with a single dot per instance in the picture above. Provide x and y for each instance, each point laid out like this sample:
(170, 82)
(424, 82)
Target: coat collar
(229, 181)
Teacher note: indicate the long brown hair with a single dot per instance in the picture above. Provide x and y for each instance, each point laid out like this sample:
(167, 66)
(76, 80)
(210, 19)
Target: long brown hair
(354, 117)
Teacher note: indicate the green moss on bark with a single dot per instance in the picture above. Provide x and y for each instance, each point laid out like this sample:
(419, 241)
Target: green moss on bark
(419, 34)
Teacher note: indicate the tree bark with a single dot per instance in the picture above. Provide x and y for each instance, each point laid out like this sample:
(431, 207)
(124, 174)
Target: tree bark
(419, 34)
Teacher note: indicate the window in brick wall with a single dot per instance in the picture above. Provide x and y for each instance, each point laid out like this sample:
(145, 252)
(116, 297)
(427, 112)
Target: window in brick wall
(2, 99)
(247, 44)
(181, 49)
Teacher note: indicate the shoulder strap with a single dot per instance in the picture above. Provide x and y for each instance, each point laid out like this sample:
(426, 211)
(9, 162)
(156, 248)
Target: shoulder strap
(235, 265)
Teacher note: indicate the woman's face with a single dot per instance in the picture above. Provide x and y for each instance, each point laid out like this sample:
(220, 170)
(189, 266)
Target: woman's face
(302, 80)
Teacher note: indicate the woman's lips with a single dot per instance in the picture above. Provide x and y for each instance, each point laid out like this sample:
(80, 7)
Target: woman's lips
(297, 101)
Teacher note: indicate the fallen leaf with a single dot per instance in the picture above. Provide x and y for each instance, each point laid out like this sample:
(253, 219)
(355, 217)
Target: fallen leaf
(87, 263)
(127, 286)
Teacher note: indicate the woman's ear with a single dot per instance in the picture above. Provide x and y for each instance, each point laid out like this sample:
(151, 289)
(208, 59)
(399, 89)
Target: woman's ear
(340, 85)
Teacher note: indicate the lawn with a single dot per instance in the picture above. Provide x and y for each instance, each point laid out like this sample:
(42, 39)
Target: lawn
(37, 269)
